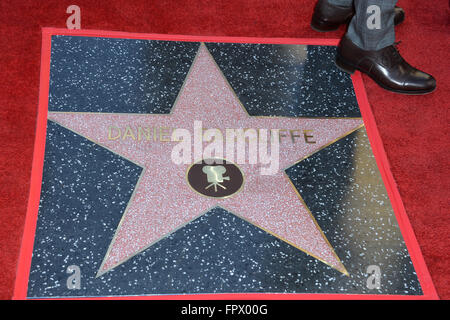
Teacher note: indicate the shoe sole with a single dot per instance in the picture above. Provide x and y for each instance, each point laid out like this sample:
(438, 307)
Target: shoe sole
(350, 69)
(315, 28)
(322, 26)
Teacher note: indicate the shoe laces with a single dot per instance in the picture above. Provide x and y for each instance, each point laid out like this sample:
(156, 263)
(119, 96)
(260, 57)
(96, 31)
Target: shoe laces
(396, 52)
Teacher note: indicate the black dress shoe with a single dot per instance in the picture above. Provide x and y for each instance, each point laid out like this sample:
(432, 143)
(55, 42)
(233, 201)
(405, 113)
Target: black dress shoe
(386, 67)
(328, 17)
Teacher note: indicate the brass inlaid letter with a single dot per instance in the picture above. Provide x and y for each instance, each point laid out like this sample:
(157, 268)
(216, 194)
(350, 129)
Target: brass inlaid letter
(110, 137)
(128, 133)
(144, 131)
(294, 135)
(307, 137)
(282, 133)
(165, 134)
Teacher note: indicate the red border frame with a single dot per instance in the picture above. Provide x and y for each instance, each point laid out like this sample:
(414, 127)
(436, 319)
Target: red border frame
(24, 264)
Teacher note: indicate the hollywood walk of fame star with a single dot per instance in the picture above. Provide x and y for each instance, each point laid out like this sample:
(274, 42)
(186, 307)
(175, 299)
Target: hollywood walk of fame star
(163, 201)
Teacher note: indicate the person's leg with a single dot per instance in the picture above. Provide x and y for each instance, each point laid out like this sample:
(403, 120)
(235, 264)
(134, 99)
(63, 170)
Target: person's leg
(368, 46)
(342, 3)
(330, 14)
(372, 26)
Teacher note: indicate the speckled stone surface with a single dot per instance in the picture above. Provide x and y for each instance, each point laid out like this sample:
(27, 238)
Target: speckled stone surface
(86, 188)
(217, 252)
(268, 201)
(92, 74)
(344, 191)
(287, 80)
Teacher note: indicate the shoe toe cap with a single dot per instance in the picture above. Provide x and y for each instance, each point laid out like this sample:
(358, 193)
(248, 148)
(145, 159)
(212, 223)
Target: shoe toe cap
(421, 81)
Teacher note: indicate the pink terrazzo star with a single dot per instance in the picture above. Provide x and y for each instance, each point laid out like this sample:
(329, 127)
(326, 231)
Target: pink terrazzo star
(164, 202)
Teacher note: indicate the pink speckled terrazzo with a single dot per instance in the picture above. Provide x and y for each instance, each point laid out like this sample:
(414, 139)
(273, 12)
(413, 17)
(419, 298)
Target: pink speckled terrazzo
(163, 201)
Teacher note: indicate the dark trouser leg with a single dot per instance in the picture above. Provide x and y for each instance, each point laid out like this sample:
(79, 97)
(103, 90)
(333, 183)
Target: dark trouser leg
(369, 47)
(342, 3)
(372, 27)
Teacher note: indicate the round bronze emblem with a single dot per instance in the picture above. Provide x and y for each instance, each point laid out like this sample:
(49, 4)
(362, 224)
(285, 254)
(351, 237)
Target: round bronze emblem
(215, 178)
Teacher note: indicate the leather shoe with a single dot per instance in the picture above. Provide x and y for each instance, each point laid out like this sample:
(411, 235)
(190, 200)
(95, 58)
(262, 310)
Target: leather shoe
(328, 17)
(386, 67)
